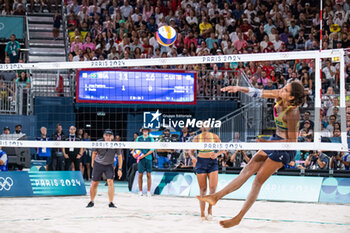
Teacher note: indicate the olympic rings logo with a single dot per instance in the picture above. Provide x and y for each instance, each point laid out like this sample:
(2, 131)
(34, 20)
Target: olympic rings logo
(6, 184)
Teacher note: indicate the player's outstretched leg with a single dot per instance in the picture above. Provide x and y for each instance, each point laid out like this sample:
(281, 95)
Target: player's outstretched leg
(269, 167)
(253, 167)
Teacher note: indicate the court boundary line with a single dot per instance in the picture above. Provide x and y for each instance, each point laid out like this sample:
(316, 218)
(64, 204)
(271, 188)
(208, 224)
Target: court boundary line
(179, 214)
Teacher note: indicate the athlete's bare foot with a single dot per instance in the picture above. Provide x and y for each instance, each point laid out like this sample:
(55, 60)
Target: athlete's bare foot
(230, 222)
(211, 199)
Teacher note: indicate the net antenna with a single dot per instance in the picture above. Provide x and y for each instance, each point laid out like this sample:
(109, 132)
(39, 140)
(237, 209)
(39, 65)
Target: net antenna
(337, 54)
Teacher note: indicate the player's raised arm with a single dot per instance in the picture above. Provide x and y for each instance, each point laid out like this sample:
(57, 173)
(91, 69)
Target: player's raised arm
(253, 92)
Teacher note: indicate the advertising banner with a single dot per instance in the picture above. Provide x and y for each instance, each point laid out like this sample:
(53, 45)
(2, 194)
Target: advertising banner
(11, 25)
(335, 190)
(53, 183)
(15, 184)
(168, 183)
(45, 183)
(276, 188)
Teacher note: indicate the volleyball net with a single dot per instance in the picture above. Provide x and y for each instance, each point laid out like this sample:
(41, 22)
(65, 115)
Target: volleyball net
(174, 97)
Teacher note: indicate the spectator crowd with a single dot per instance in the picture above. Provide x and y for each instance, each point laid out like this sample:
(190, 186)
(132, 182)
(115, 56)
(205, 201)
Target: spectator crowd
(113, 30)
(100, 30)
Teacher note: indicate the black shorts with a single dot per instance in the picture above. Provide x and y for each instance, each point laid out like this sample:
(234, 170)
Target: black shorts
(206, 165)
(284, 156)
(99, 169)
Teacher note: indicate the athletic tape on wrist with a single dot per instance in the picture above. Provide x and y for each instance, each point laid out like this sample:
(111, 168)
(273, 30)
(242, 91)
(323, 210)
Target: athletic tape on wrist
(254, 92)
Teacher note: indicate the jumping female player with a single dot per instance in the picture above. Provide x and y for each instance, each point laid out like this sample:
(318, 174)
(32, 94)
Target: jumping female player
(265, 163)
(206, 166)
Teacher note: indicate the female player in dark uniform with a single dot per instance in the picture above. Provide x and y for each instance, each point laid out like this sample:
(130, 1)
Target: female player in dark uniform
(265, 163)
(206, 165)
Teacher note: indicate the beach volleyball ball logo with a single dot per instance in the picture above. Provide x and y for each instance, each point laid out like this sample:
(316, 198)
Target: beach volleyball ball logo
(166, 35)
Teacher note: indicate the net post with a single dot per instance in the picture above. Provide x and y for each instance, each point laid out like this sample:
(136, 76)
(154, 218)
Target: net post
(318, 90)
(344, 140)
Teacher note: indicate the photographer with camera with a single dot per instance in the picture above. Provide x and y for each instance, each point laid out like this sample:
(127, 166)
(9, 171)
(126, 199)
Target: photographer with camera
(3, 161)
(317, 160)
(164, 155)
(340, 161)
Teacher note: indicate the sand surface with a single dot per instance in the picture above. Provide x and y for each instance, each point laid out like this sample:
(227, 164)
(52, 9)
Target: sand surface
(164, 214)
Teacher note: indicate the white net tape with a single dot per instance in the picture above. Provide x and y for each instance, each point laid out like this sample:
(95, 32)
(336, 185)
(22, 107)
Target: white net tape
(175, 60)
(177, 145)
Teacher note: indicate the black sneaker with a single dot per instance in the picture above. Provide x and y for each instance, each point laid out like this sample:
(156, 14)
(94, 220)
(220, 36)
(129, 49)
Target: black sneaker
(111, 205)
(91, 204)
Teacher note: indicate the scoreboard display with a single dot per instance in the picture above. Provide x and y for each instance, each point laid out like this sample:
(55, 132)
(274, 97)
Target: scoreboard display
(136, 86)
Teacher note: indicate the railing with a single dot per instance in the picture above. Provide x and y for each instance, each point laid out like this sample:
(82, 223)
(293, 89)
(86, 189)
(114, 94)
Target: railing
(8, 95)
(27, 38)
(247, 121)
(65, 32)
(14, 99)
(210, 82)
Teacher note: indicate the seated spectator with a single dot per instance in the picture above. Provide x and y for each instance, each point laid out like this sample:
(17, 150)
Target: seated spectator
(324, 132)
(270, 85)
(277, 44)
(151, 25)
(147, 11)
(317, 160)
(269, 26)
(300, 40)
(306, 117)
(293, 28)
(23, 80)
(337, 132)
(211, 40)
(114, 54)
(6, 130)
(205, 27)
(307, 128)
(241, 43)
(8, 75)
(331, 123)
(76, 44)
(88, 44)
(185, 160)
(20, 10)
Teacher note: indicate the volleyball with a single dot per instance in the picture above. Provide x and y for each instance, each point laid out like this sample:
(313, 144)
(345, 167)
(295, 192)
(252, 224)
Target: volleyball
(166, 35)
(137, 154)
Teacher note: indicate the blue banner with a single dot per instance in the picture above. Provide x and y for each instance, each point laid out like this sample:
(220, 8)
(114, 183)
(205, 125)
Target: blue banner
(52, 183)
(276, 188)
(11, 25)
(335, 190)
(15, 184)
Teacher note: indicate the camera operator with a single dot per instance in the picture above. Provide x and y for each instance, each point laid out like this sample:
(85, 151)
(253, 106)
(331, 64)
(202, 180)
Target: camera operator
(317, 160)
(164, 155)
(340, 161)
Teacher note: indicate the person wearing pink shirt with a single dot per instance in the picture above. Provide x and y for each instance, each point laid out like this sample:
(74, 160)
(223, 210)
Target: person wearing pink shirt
(89, 44)
(240, 43)
(76, 42)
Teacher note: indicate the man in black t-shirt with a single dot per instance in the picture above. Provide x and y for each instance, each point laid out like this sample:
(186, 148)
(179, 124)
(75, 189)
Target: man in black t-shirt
(72, 155)
(102, 162)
